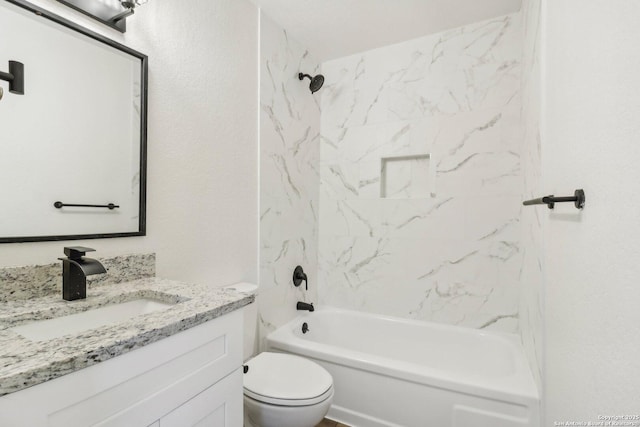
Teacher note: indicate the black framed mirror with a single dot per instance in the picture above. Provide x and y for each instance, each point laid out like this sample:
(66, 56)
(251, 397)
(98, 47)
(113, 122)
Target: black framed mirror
(73, 146)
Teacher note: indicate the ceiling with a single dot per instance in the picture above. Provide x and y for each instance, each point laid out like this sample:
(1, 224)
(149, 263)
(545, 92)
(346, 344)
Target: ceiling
(336, 28)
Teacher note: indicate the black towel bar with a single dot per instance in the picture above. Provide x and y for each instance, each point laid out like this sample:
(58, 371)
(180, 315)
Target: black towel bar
(60, 205)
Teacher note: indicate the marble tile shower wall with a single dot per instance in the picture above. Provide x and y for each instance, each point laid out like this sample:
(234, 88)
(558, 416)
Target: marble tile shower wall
(289, 179)
(421, 178)
(531, 294)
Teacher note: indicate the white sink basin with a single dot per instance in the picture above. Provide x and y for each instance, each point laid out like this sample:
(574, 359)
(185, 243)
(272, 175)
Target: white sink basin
(43, 330)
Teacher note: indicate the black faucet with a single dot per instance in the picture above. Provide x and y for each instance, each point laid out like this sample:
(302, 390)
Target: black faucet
(299, 276)
(304, 306)
(75, 269)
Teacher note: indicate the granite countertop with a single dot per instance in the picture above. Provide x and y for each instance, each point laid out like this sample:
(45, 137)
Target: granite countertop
(24, 363)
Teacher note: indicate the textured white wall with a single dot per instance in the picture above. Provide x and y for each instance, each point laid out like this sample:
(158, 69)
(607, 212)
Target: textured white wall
(202, 209)
(591, 140)
(337, 28)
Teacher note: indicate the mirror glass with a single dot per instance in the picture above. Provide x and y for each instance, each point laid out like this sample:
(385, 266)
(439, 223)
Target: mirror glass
(76, 136)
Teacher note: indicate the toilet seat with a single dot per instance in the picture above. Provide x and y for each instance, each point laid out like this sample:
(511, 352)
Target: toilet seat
(289, 402)
(286, 380)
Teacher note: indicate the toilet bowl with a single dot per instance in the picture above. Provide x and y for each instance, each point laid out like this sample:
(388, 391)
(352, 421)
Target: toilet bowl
(283, 390)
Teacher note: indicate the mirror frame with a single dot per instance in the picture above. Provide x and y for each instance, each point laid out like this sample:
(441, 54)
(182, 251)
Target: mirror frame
(142, 224)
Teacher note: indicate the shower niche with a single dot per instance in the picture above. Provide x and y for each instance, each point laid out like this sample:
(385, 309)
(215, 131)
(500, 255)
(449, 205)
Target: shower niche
(407, 177)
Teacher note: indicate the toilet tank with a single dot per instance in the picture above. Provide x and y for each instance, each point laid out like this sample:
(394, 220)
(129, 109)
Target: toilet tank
(250, 313)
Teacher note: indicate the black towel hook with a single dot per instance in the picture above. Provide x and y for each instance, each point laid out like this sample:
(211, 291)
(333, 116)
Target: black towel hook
(578, 199)
(15, 77)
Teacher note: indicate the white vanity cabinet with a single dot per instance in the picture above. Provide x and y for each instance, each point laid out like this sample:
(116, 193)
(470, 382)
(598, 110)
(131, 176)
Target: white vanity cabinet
(192, 378)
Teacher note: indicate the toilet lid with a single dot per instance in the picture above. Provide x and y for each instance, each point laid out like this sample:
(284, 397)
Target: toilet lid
(285, 379)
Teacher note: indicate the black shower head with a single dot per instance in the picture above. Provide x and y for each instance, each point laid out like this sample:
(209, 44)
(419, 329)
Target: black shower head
(316, 82)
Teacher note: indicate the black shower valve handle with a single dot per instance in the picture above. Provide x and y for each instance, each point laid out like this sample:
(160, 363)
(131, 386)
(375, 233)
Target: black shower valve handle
(299, 276)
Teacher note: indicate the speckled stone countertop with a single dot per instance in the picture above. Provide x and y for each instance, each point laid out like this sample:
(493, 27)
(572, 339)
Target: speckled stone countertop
(24, 363)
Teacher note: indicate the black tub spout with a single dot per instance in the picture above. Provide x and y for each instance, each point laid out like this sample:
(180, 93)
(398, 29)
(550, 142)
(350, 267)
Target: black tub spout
(304, 306)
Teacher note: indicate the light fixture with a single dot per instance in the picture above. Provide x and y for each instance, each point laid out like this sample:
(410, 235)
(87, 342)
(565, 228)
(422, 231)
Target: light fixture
(112, 13)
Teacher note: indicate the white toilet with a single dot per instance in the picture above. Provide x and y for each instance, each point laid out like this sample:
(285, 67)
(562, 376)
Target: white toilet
(283, 390)
(280, 390)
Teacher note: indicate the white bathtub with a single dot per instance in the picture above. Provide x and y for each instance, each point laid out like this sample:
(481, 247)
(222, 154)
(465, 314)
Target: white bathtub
(395, 372)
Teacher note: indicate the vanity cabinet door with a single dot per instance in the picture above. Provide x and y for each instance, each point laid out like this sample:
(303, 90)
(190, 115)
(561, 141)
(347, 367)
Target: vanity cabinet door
(219, 405)
(140, 387)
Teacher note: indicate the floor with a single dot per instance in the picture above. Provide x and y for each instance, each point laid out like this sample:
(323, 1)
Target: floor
(330, 423)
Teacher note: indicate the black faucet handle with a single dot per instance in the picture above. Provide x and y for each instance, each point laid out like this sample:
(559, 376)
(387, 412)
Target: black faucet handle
(299, 276)
(76, 252)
